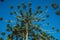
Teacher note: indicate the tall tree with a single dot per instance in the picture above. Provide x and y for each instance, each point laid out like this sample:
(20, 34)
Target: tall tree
(24, 28)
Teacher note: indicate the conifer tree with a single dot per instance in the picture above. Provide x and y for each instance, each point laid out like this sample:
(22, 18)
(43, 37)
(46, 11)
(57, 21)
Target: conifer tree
(24, 28)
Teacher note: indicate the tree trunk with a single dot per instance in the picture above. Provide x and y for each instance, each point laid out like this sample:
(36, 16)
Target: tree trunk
(27, 31)
(23, 36)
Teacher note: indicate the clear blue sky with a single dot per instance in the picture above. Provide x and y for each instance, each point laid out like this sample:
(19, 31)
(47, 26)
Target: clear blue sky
(53, 19)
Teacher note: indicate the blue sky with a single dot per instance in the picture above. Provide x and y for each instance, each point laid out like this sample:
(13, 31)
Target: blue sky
(53, 19)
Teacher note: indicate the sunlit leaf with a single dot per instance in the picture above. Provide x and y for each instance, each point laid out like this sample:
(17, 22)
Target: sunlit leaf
(24, 5)
(38, 19)
(36, 12)
(18, 16)
(17, 25)
(9, 21)
(9, 37)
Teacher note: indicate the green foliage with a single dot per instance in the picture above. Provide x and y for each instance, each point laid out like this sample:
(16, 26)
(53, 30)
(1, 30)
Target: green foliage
(46, 6)
(53, 28)
(1, 38)
(1, 18)
(39, 7)
(11, 7)
(24, 28)
(47, 16)
(24, 5)
(3, 33)
(1, 0)
(54, 5)
(18, 6)
(41, 11)
(57, 30)
(11, 13)
(30, 4)
(58, 12)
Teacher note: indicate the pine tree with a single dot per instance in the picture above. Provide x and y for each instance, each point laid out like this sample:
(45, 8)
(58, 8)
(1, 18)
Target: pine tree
(25, 28)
